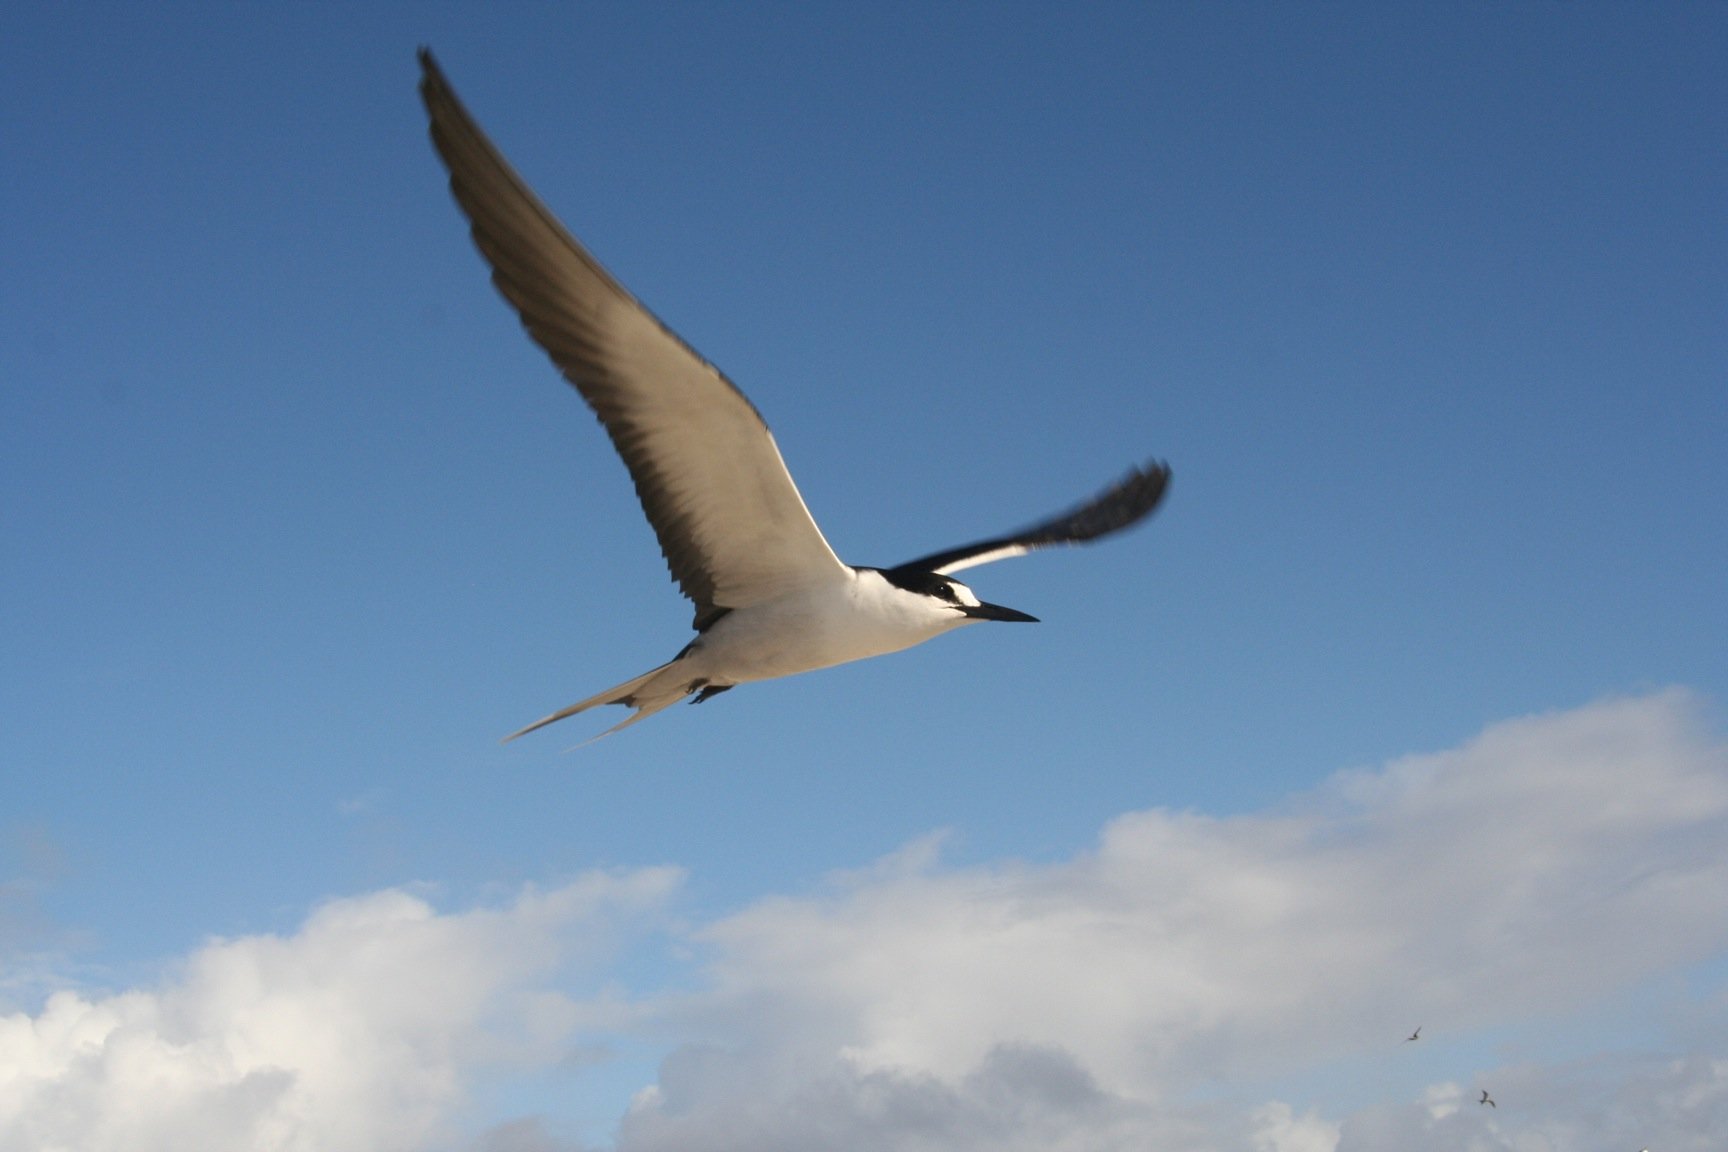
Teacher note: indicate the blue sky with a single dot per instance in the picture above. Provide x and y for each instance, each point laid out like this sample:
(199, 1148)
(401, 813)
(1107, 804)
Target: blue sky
(1425, 308)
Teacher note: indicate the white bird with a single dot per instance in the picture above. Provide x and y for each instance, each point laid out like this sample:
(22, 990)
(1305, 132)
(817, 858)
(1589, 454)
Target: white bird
(771, 597)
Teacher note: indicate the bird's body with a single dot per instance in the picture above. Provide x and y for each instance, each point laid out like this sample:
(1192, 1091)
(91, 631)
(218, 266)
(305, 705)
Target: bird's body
(772, 599)
(862, 614)
(816, 626)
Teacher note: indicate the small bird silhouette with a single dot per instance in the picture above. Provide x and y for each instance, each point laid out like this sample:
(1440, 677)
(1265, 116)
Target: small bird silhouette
(1416, 1035)
(1487, 1099)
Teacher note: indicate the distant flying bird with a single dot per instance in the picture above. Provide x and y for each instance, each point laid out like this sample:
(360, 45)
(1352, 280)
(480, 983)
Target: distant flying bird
(1488, 1100)
(1416, 1035)
(771, 597)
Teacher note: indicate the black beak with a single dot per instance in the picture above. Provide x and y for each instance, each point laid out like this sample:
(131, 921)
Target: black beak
(997, 612)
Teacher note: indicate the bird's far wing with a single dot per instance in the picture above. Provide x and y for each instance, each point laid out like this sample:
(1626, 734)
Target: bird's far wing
(1122, 505)
(730, 522)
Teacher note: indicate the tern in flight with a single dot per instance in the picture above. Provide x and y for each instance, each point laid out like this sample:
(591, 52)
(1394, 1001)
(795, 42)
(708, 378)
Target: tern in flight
(1487, 1099)
(1416, 1035)
(771, 597)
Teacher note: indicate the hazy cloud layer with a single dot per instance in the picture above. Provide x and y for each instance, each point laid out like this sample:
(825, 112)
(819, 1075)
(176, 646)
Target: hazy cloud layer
(1110, 1001)
(1669, 1104)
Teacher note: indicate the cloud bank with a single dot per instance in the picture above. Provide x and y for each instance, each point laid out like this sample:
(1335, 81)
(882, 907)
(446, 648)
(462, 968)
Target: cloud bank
(357, 1032)
(1549, 863)
(1115, 1000)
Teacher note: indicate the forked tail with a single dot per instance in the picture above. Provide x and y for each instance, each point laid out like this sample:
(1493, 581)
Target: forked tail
(629, 693)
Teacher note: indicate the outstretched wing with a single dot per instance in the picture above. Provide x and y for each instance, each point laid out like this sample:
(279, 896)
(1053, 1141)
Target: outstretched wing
(730, 522)
(1120, 506)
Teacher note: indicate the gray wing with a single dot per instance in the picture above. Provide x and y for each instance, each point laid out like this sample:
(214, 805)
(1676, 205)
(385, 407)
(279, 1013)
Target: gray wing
(729, 519)
(1120, 506)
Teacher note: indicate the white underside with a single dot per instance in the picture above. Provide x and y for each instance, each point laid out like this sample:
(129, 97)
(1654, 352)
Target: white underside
(833, 622)
(859, 617)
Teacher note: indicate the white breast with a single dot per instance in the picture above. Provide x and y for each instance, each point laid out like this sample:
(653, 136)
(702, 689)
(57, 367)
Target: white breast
(818, 627)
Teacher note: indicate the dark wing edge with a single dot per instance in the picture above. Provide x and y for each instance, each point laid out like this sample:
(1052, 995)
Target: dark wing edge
(1122, 505)
(507, 219)
(448, 114)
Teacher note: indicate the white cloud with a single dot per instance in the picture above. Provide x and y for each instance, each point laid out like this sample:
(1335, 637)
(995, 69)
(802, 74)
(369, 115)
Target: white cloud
(1545, 863)
(357, 1032)
(1122, 999)
(1550, 862)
